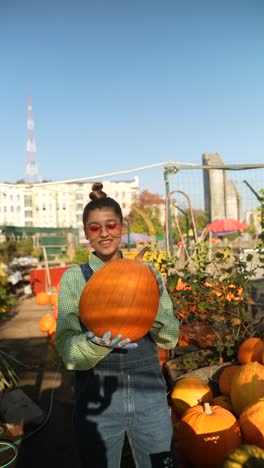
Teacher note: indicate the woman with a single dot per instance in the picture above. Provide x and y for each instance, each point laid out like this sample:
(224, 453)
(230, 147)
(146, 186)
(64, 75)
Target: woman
(120, 388)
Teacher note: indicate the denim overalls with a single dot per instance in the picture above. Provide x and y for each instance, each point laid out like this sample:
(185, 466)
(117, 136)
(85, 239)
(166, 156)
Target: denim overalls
(124, 393)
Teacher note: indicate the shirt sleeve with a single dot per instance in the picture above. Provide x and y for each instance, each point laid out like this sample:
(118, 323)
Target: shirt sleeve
(165, 330)
(76, 352)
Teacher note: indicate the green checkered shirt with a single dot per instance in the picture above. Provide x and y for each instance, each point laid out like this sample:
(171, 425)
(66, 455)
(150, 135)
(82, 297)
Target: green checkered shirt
(78, 353)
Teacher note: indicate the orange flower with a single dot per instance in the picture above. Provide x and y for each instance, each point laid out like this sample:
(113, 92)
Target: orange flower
(181, 285)
(208, 284)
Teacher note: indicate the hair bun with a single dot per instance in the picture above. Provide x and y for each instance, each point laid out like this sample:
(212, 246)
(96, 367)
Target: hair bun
(97, 191)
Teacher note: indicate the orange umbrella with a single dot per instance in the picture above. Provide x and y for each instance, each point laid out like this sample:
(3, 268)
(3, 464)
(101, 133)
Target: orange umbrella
(226, 226)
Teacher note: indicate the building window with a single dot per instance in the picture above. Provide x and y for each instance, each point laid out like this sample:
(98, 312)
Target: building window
(28, 200)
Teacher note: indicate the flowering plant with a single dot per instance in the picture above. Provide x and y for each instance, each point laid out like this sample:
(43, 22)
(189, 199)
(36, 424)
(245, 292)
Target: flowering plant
(160, 260)
(212, 297)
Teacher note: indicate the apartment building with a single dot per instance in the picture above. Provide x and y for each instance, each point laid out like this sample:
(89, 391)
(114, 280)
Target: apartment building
(58, 204)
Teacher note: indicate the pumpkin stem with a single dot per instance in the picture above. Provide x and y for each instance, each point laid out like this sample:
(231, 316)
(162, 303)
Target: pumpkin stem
(140, 255)
(207, 408)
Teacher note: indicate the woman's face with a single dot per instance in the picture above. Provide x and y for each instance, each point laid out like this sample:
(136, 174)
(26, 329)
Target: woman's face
(103, 229)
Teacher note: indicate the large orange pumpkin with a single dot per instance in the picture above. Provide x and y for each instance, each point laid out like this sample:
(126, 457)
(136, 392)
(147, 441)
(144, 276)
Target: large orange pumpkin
(251, 423)
(123, 297)
(251, 350)
(188, 392)
(226, 377)
(207, 434)
(247, 386)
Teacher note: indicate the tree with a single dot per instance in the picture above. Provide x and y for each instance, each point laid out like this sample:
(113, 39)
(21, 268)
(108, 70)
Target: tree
(151, 204)
(200, 219)
(81, 255)
(147, 199)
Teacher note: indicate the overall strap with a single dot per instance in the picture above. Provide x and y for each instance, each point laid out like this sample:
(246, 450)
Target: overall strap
(86, 271)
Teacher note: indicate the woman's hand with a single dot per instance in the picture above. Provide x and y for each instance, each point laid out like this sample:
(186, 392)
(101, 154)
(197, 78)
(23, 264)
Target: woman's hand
(106, 340)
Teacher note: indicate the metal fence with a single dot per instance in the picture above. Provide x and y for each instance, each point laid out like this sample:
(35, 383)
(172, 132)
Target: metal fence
(191, 181)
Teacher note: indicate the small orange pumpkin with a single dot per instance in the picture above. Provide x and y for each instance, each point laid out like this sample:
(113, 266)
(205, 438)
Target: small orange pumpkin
(225, 378)
(42, 298)
(54, 299)
(251, 350)
(163, 356)
(45, 322)
(123, 297)
(224, 402)
(55, 313)
(247, 386)
(251, 422)
(207, 434)
(52, 329)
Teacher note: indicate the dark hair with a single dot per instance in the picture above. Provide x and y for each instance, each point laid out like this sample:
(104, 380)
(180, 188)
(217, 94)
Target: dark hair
(99, 199)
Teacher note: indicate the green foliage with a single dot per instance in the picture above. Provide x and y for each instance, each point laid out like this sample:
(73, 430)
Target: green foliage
(5, 300)
(81, 255)
(212, 296)
(12, 248)
(201, 220)
(138, 224)
(24, 247)
(8, 251)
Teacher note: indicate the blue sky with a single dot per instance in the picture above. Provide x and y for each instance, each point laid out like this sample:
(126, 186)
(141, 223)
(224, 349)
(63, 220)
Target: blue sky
(121, 84)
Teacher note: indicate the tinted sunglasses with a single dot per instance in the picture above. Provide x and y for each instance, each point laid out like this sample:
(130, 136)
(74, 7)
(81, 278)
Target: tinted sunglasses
(94, 230)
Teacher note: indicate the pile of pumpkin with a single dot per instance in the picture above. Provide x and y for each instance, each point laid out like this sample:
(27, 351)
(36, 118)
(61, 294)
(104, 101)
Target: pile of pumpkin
(224, 430)
(48, 322)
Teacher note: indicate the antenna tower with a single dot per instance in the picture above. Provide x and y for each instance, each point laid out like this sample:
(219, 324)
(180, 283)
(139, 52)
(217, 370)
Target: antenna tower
(32, 175)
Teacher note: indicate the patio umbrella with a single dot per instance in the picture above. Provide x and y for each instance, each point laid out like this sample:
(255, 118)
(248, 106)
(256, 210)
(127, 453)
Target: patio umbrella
(135, 237)
(225, 226)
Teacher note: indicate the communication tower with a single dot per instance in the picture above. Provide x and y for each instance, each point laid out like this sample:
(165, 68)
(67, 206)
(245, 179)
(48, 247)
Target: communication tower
(32, 175)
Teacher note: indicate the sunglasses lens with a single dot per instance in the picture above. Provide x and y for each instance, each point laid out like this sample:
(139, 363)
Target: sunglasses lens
(114, 229)
(93, 230)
